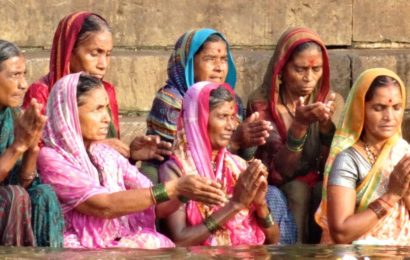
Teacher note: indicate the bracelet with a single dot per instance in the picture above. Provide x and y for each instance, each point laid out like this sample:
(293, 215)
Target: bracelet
(265, 222)
(378, 209)
(386, 202)
(159, 193)
(211, 224)
(294, 144)
(183, 199)
(29, 178)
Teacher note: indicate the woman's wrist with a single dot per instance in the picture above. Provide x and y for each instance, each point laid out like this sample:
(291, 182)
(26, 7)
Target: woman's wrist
(298, 130)
(262, 210)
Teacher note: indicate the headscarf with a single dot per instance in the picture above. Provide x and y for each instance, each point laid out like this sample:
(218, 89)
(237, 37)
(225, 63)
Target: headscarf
(348, 133)
(65, 38)
(269, 91)
(193, 154)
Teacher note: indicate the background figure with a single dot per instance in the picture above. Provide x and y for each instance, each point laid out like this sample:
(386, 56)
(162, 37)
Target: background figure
(20, 134)
(106, 201)
(207, 122)
(295, 98)
(199, 55)
(366, 197)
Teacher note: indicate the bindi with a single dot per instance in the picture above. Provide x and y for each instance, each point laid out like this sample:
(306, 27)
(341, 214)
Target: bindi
(312, 62)
(219, 50)
(390, 100)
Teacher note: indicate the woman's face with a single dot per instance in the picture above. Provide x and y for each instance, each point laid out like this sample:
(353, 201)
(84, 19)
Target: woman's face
(222, 122)
(302, 73)
(93, 54)
(93, 114)
(211, 63)
(383, 114)
(13, 84)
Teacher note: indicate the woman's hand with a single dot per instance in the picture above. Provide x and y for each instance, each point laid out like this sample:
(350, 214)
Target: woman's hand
(400, 177)
(326, 123)
(29, 126)
(316, 112)
(253, 131)
(260, 198)
(197, 188)
(248, 184)
(149, 147)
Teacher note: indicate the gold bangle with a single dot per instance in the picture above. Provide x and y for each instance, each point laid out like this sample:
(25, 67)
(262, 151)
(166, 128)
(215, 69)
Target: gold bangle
(211, 224)
(267, 221)
(378, 209)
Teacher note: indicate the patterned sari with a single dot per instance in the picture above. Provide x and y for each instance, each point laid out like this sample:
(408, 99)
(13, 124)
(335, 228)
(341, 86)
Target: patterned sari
(394, 228)
(24, 222)
(77, 174)
(192, 154)
(65, 38)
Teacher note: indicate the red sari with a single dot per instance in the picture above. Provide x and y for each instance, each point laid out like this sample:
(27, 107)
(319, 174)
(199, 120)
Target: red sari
(64, 40)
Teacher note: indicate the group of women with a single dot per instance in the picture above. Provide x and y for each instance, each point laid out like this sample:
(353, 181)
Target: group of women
(213, 172)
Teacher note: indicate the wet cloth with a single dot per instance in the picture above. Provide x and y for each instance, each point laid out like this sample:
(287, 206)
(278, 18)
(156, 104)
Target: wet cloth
(64, 41)
(396, 224)
(77, 174)
(192, 155)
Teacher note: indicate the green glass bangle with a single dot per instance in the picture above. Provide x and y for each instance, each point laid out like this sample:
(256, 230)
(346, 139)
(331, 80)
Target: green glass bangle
(294, 144)
(183, 199)
(211, 224)
(159, 193)
(265, 222)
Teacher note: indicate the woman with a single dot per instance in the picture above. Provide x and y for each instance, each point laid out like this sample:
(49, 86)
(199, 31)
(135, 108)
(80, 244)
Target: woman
(22, 222)
(295, 98)
(366, 198)
(199, 55)
(106, 201)
(207, 122)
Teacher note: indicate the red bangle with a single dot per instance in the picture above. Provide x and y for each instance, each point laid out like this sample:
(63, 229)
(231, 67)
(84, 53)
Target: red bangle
(387, 203)
(378, 209)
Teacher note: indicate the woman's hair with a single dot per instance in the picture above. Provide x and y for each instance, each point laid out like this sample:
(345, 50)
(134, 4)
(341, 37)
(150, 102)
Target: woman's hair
(212, 38)
(218, 96)
(304, 46)
(85, 84)
(92, 23)
(380, 81)
(8, 50)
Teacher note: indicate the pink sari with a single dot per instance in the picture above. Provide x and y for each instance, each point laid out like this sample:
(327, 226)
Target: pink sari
(77, 174)
(192, 153)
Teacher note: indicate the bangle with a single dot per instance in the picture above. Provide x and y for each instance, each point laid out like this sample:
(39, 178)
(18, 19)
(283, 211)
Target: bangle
(385, 202)
(29, 178)
(378, 209)
(295, 144)
(265, 222)
(159, 193)
(211, 224)
(183, 199)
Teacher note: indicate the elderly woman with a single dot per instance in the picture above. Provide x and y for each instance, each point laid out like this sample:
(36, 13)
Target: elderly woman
(83, 42)
(106, 201)
(295, 98)
(207, 122)
(20, 132)
(366, 198)
(199, 55)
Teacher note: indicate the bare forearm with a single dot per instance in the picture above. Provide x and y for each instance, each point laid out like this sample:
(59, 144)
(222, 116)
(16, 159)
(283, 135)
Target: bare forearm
(8, 159)
(195, 235)
(28, 167)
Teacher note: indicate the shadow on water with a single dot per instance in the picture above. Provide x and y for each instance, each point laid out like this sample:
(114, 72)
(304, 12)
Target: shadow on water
(345, 252)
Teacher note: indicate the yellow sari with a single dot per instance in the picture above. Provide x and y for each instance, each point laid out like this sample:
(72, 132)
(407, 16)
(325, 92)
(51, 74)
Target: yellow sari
(394, 228)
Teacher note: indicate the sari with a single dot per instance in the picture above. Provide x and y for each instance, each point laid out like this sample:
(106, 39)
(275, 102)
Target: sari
(394, 228)
(32, 218)
(64, 41)
(166, 107)
(192, 154)
(266, 97)
(77, 174)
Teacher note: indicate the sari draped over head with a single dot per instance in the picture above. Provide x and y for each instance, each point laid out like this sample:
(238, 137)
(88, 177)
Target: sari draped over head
(35, 221)
(77, 174)
(265, 99)
(192, 153)
(396, 224)
(64, 42)
(162, 119)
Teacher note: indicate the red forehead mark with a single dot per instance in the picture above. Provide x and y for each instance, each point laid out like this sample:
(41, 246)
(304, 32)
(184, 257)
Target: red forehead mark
(390, 100)
(219, 50)
(311, 62)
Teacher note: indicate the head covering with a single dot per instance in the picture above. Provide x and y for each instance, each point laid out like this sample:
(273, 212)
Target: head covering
(269, 91)
(192, 153)
(65, 38)
(348, 133)
(181, 63)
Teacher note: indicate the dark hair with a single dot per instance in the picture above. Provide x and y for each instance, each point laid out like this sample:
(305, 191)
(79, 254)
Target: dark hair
(304, 46)
(8, 50)
(212, 38)
(380, 81)
(85, 84)
(218, 96)
(92, 23)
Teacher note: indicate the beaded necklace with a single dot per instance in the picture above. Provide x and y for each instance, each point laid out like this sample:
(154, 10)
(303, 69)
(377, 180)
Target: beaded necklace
(370, 154)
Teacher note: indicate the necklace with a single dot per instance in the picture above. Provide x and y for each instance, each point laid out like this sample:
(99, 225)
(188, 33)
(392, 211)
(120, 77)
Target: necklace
(286, 106)
(370, 154)
(213, 164)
